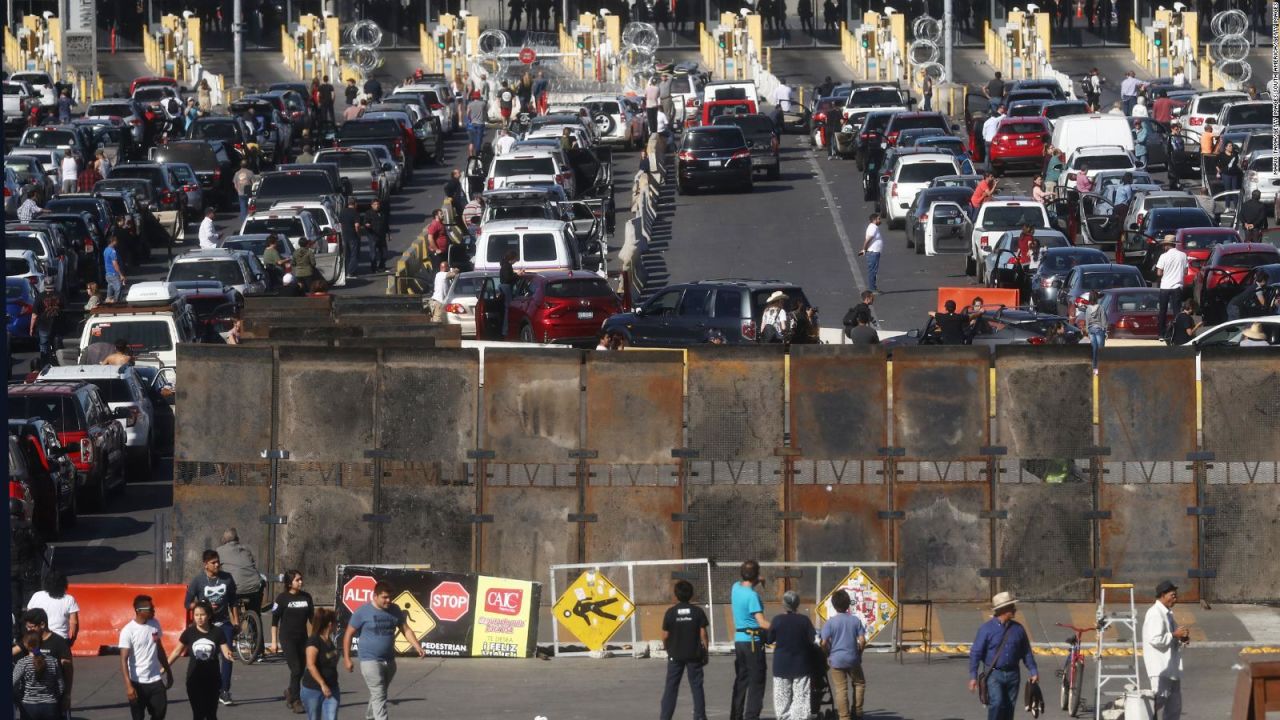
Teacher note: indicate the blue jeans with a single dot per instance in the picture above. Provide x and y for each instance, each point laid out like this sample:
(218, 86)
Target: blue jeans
(353, 252)
(115, 288)
(476, 133)
(318, 706)
(1129, 101)
(228, 630)
(927, 105)
(1002, 691)
(873, 269)
(45, 336)
(1097, 338)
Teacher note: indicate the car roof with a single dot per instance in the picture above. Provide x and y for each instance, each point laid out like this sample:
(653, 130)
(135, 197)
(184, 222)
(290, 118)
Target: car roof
(926, 156)
(1009, 201)
(1070, 249)
(96, 372)
(56, 387)
(1099, 150)
(1238, 248)
(207, 254)
(552, 275)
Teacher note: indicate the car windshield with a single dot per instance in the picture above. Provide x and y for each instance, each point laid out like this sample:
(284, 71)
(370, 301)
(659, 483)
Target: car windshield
(117, 204)
(109, 109)
(1054, 112)
(509, 167)
(370, 129)
(21, 165)
(15, 266)
(290, 226)
(607, 107)
(347, 160)
(113, 390)
(578, 288)
(924, 172)
(713, 140)
(1110, 279)
(1180, 218)
(876, 122)
(1103, 162)
(295, 185)
(539, 247)
(1251, 114)
(1172, 201)
(1135, 302)
(949, 144)
(108, 135)
(255, 246)
(140, 335)
(516, 212)
(193, 154)
(873, 96)
(60, 411)
(226, 272)
(215, 131)
(1010, 217)
(1021, 127)
(754, 124)
(1203, 240)
(1247, 259)
(24, 241)
(48, 138)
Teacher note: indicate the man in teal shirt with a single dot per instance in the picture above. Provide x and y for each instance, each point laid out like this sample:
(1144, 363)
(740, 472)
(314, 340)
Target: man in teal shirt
(749, 670)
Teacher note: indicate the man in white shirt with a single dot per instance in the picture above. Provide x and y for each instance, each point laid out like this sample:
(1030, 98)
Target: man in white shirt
(872, 245)
(439, 291)
(208, 234)
(782, 96)
(1171, 268)
(664, 123)
(143, 662)
(70, 171)
(1129, 91)
(989, 130)
(505, 142)
(1162, 641)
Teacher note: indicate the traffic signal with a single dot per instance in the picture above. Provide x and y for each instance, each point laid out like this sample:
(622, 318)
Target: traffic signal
(582, 42)
(723, 41)
(1162, 37)
(865, 42)
(440, 42)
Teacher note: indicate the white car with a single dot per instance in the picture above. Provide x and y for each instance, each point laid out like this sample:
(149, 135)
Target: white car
(1260, 176)
(994, 218)
(325, 215)
(237, 269)
(530, 168)
(120, 387)
(1205, 107)
(439, 100)
(50, 160)
(1230, 333)
(911, 174)
(613, 119)
(37, 240)
(23, 264)
(296, 225)
(947, 228)
(1096, 159)
(154, 319)
(460, 301)
(41, 83)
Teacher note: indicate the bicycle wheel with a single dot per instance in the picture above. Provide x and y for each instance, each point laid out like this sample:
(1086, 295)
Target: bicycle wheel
(246, 645)
(1064, 690)
(1074, 696)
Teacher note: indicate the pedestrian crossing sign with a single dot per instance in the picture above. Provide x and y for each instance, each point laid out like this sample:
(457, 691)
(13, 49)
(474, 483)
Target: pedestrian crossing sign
(872, 605)
(416, 617)
(593, 609)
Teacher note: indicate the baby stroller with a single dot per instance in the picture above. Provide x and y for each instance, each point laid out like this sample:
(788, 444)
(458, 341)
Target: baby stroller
(822, 704)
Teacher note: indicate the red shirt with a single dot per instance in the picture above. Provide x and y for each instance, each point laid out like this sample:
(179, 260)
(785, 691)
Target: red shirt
(437, 238)
(980, 194)
(1024, 248)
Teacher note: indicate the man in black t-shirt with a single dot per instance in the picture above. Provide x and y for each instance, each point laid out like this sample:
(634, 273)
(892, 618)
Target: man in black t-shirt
(949, 327)
(684, 634)
(325, 111)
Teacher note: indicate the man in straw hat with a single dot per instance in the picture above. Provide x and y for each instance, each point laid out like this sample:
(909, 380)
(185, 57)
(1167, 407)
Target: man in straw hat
(1001, 644)
(1171, 268)
(1162, 642)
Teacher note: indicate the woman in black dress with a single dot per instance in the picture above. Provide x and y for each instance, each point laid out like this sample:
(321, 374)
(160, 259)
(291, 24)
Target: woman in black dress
(203, 643)
(289, 617)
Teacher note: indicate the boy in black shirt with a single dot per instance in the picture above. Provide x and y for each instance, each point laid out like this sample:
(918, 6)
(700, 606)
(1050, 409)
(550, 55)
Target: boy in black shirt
(684, 634)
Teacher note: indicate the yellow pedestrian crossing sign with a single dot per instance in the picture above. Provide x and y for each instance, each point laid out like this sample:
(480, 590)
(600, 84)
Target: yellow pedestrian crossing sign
(593, 609)
(416, 617)
(873, 606)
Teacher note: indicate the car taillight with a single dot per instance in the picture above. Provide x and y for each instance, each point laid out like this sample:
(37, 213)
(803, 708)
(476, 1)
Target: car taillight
(686, 156)
(893, 190)
(189, 188)
(893, 137)
(7, 192)
(748, 330)
(690, 102)
(1046, 281)
(437, 106)
(490, 184)
(741, 155)
(984, 243)
(1197, 120)
(86, 450)
(217, 174)
(1036, 340)
(1001, 138)
(455, 308)
(253, 206)
(239, 146)
(820, 117)
(924, 217)
(373, 185)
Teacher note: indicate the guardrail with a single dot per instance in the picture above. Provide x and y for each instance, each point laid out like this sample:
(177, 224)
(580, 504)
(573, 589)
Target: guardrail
(645, 191)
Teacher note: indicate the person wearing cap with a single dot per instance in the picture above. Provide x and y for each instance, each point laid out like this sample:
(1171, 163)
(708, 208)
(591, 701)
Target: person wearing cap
(1162, 642)
(791, 634)
(143, 662)
(1254, 336)
(1171, 269)
(1001, 644)
(844, 638)
(749, 667)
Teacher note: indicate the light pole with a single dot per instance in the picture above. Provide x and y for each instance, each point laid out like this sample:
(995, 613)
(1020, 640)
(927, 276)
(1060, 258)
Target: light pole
(947, 39)
(237, 39)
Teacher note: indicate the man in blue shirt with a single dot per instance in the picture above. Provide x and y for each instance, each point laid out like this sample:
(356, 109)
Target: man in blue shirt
(114, 270)
(376, 624)
(1001, 644)
(844, 637)
(749, 669)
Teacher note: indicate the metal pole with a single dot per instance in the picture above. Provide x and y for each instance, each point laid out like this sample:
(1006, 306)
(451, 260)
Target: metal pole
(947, 39)
(237, 28)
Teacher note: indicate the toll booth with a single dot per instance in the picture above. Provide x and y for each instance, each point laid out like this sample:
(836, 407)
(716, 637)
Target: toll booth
(1170, 42)
(876, 49)
(173, 48)
(1021, 47)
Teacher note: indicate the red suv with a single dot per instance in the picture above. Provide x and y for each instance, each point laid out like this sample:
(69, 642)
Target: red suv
(86, 428)
(1198, 243)
(1018, 141)
(560, 307)
(1226, 273)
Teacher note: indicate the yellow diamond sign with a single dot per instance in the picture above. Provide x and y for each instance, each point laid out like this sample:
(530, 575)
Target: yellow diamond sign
(593, 609)
(873, 606)
(417, 618)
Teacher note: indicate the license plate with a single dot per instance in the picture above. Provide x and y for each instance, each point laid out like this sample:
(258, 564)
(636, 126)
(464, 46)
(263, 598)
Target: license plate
(585, 315)
(715, 163)
(1022, 142)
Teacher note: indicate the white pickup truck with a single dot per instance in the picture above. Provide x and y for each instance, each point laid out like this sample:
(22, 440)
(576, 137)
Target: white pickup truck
(18, 97)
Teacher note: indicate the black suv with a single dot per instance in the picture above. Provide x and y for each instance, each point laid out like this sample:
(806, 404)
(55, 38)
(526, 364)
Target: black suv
(762, 140)
(687, 314)
(211, 163)
(714, 155)
(86, 427)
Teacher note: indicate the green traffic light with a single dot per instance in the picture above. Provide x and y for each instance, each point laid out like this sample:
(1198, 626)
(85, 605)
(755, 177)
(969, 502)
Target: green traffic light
(865, 44)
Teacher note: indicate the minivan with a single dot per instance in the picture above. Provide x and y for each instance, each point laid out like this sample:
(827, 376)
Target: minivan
(1072, 132)
(539, 244)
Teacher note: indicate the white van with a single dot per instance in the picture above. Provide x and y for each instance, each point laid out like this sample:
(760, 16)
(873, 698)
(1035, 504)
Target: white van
(540, 245)
(1072, 132)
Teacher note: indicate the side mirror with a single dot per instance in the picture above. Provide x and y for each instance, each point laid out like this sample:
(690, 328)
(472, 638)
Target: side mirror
(121, 413)
(1133, 226)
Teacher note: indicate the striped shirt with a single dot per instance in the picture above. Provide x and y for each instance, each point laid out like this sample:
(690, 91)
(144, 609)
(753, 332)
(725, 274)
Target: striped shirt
(29, 689)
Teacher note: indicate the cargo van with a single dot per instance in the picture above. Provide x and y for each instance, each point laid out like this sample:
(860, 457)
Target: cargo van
(539, 244)
(1072, 132)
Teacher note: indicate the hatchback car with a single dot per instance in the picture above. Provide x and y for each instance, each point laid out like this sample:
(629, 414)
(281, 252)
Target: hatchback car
(1084, 279)
(690, 313)
(560, 307)
(1018, 142)
(713, 156)
(1226, 272)
(121, 388)
(913, 121)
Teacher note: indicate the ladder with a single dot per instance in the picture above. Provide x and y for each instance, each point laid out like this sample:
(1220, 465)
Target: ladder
(1119, 618)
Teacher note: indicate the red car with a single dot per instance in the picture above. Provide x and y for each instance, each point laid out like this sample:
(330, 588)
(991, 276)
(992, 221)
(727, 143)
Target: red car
(564, 306)
(1019, 141)
(1226, 272)
(1133, 312)
(1198, 243)
(145, 81)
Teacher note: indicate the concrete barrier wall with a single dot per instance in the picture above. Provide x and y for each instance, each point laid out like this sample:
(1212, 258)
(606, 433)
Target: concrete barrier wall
(1033, 482)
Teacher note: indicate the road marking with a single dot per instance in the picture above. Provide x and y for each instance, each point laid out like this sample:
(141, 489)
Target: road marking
(850, 253)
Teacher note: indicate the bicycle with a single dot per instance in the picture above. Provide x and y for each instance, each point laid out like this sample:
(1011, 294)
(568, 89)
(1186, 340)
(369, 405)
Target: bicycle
(1073, 671)
(249, 634)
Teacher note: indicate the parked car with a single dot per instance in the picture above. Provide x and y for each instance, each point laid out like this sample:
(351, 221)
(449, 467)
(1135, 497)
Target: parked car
(996, 326)
(154, 319)
(362, 169)
(1018, 141)
(1004, 267)
(1055, 265)
(560, 307)
(236, 269)
(172, 207)
(85, 426)
(212, 164)
(1198, 244)
(463, 295)
(918, 215)
(996, 216)
(19, 304)
(686, 314)
(910, 174)
(38, 461)
(1227, 271)
(122, 389)
(1084, 279)
(1141, 246)
(1231, 332)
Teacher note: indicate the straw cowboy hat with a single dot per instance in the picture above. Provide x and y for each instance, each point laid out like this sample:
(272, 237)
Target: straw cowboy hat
(1169, 240)
(775, 297)
(1002, 601)
(1255, 332)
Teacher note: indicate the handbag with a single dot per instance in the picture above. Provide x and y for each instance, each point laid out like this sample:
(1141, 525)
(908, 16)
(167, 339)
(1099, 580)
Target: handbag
(983, 694)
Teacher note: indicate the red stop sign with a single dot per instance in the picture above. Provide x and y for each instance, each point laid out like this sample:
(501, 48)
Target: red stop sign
(358, 591)
(527, 56)
(450, 601)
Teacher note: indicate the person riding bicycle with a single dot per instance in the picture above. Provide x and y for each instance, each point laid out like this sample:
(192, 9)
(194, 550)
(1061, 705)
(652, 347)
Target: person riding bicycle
(217, 588)
(238, 561)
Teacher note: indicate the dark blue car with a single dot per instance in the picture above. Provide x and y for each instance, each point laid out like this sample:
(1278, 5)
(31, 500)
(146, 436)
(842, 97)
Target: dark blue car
(19, 303)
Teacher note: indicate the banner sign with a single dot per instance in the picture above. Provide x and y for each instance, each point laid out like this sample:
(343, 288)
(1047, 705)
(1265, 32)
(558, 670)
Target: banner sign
(453, 614)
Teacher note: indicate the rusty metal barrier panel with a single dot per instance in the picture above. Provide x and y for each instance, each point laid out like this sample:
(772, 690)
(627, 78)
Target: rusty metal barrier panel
(940, 401)
(437, 334)
(941, 539)
(839, 399)
(223, 411)
(1044, 400)
(1146, 533)
(1241, 403)
(324, 527)
(428, 524)
(526, 529)
(634, 522)
(837, 521)
(532, 405)
(635, 406)
(731, 523)
(191, 472)
(426, 404)
(736, 402)
(200, 515)
(1241, 516)
(1147, 403)
(326, 403)
(378, 305)
(1044, 536)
